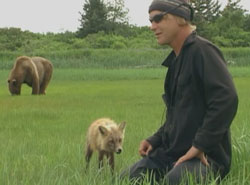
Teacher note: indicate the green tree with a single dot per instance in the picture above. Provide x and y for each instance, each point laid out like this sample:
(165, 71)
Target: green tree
(206, 12)
(94, 17)
(116, 11)
(246, 25)
(231, 25)
(117, 17)
(109, 17)
(232, 17)
(13, 39)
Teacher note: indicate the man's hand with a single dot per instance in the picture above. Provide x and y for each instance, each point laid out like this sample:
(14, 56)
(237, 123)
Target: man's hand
(145, 148)
(192, 153)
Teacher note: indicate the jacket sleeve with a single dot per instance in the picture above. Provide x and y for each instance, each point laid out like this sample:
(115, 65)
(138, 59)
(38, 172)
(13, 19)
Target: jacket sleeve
(220, 98)
(156, 139)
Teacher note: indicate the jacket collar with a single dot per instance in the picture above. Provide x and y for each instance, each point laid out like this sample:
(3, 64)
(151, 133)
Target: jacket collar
(189, 40)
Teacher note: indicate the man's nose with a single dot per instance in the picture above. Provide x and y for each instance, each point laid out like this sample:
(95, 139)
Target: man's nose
(153, 26)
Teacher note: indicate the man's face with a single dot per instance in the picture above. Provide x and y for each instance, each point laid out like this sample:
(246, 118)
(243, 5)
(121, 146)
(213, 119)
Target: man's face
(165, 29)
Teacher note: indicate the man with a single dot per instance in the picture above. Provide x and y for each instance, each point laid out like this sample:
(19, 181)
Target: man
(201, 103)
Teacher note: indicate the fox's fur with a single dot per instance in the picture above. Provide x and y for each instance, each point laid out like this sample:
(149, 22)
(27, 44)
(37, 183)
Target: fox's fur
(106, 137)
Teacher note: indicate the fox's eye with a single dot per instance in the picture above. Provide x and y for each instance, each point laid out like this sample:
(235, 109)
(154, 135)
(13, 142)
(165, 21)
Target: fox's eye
(120, 140)
(111, 142)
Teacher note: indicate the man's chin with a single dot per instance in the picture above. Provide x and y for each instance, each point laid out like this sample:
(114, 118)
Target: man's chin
(161, 43)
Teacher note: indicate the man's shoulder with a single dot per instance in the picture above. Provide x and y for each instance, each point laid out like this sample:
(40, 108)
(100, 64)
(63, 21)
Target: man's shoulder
(200, 44)
(201, 41)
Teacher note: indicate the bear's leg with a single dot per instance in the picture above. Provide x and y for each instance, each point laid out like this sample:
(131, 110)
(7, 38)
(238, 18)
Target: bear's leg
(43, 86)
(35, 86)
(45, 83)
(42, 89)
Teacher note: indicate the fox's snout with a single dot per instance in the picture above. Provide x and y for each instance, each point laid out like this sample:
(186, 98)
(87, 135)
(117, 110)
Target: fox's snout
(119, 150)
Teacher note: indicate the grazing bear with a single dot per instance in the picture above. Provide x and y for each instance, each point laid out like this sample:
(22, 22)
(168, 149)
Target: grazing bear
(106, 137)
(36, 72)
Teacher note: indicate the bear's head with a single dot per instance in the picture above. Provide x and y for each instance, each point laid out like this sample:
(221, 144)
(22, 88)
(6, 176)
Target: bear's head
(14, 86)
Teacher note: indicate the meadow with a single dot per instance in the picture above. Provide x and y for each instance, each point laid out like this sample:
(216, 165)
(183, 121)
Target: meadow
(42, 138)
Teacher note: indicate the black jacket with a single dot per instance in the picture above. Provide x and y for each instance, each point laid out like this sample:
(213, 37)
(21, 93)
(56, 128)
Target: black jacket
(201, 103)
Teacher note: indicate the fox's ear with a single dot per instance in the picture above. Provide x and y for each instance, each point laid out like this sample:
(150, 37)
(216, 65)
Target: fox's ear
(103, 130)
(122, 125)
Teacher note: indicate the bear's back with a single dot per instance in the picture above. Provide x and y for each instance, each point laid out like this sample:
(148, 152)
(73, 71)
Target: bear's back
(22, 62)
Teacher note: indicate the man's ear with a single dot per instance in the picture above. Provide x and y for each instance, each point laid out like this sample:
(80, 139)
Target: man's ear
(103, 130)
(122, 126)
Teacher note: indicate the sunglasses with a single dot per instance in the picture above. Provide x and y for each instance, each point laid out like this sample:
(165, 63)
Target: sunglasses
(158, 17)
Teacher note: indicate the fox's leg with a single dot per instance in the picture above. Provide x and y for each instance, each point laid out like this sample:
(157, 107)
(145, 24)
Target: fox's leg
(101, 156)
(111, 160)
(88, 155)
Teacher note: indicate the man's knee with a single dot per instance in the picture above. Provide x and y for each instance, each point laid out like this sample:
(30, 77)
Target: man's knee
(143, 169)
(174, 176)
(182, 173)
(134, 171)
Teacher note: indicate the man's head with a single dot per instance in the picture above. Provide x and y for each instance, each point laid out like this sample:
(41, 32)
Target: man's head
(168, 17)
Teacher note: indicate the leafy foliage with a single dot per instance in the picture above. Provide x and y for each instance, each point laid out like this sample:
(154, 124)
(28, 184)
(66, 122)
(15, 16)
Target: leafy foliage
(105, 25)
(13, 38)
(206, 12)
(94, 17)
(100, 16)
(231, 26)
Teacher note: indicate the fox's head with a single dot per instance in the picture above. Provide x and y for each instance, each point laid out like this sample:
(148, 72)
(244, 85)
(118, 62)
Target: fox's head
(113, 137)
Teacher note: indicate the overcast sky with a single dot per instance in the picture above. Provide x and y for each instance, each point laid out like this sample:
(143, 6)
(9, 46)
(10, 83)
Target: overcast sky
(63, 15)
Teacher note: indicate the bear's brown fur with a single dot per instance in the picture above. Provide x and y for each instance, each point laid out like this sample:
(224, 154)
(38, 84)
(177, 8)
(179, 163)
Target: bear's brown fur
(36, 72)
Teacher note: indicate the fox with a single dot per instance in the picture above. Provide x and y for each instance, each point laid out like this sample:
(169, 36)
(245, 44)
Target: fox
(106, 137)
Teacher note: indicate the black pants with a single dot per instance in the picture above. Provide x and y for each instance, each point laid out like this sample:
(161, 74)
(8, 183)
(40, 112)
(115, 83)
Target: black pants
(153, 171)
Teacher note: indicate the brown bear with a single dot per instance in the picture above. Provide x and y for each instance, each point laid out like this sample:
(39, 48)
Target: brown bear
(36, 72)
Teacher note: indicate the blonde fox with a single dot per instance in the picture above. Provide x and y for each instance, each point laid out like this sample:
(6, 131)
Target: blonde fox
(106, 137)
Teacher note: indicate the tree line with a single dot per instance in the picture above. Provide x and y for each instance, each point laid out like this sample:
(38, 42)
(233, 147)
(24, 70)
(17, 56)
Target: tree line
(229, 27)
(104, 24)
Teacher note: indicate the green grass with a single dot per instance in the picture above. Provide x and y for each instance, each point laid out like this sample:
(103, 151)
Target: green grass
(42, 137)
(140, 73)
(113, 59)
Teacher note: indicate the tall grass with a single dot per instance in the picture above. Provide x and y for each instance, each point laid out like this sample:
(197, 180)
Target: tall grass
(71, 74)
(237, 56)
(42, 137)
(113, 59)
(94, 58)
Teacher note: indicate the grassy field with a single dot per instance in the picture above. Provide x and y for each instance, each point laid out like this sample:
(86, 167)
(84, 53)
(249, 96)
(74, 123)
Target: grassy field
(42, 137)
(114, 59)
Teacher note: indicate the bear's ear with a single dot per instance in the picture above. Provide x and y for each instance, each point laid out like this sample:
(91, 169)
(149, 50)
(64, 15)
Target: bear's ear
(8, 81)
(103, 130)
(14, 82)
(122, 126)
